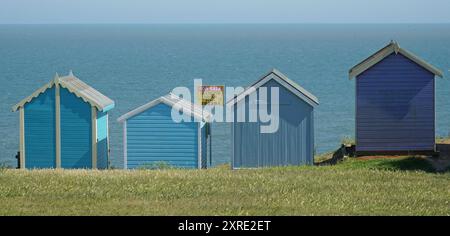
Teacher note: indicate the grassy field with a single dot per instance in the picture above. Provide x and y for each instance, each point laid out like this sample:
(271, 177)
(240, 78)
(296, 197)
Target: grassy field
(402, 186)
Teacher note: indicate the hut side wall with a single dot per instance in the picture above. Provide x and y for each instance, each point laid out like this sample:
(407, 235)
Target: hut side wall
(40, 134)
(292, 144)
(102, 140)
(395, 108)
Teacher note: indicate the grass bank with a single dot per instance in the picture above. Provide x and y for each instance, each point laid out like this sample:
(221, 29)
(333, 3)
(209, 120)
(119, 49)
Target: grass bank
(404, 186)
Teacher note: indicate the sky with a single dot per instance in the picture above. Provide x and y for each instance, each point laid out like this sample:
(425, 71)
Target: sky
(223, 11)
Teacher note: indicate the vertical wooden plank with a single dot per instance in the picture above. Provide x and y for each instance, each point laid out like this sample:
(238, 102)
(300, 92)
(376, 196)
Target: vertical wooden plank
(125, 158)
(107, 140)
(199, 144)
(22, 138)
(94, 136)
(434, 113)
(58, 124)
(311, 146)
(356, 117)
(233, 139)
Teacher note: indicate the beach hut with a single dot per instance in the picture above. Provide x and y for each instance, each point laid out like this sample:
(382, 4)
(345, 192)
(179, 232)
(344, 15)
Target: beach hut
(64, 124)
(152, 138)
(395, 102)
(292, 143)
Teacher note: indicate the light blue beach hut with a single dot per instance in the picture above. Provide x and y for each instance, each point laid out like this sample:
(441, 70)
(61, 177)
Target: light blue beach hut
(151, 137)
(292, 143)
(64, 124)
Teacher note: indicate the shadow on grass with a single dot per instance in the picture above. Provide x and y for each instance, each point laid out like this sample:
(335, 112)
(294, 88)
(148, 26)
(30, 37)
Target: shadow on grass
(391, 163)
(403, 164)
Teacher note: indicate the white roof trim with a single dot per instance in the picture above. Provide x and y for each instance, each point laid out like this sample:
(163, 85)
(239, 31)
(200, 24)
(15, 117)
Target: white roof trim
(282, 80)
(35, 94)
(173, 101)
(392, 47)
(84, 98)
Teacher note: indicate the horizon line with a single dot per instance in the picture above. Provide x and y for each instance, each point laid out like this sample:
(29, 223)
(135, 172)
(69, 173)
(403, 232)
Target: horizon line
(230, 23)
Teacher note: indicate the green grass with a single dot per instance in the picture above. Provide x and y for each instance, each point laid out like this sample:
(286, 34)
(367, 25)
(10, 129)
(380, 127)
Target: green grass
(403, 186)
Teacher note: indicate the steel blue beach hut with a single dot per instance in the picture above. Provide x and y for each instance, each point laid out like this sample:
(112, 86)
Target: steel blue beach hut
(64, 124)
(151, 137)
(292, 143)
(395, 102)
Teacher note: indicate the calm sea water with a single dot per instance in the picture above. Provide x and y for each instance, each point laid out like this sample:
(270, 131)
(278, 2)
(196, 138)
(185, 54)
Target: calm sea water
(133, 64)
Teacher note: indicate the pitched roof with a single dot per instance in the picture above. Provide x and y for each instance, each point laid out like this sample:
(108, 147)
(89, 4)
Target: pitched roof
(75, 86)
(281, 79)
(392, 47)
(173, 101)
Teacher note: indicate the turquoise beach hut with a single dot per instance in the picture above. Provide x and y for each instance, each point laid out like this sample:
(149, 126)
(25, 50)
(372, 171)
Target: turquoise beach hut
(64, 124)
(151, 137)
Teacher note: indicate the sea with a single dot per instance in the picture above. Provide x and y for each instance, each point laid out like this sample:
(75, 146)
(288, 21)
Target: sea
(134, 64)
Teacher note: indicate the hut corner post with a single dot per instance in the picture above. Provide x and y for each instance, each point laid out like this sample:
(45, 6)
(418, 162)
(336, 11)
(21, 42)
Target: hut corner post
(94, 136)
(22, 138)
(210, 144)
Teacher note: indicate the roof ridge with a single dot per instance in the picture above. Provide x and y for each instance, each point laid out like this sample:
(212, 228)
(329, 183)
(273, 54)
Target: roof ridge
(75, 86)
(167, 99)
(392, 47)
(313, 99)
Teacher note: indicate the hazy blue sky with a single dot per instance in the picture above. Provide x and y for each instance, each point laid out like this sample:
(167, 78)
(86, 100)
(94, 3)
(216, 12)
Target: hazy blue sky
(224, 11)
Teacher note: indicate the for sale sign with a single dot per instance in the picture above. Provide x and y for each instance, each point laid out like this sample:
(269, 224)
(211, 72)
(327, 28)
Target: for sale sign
(211, 95)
